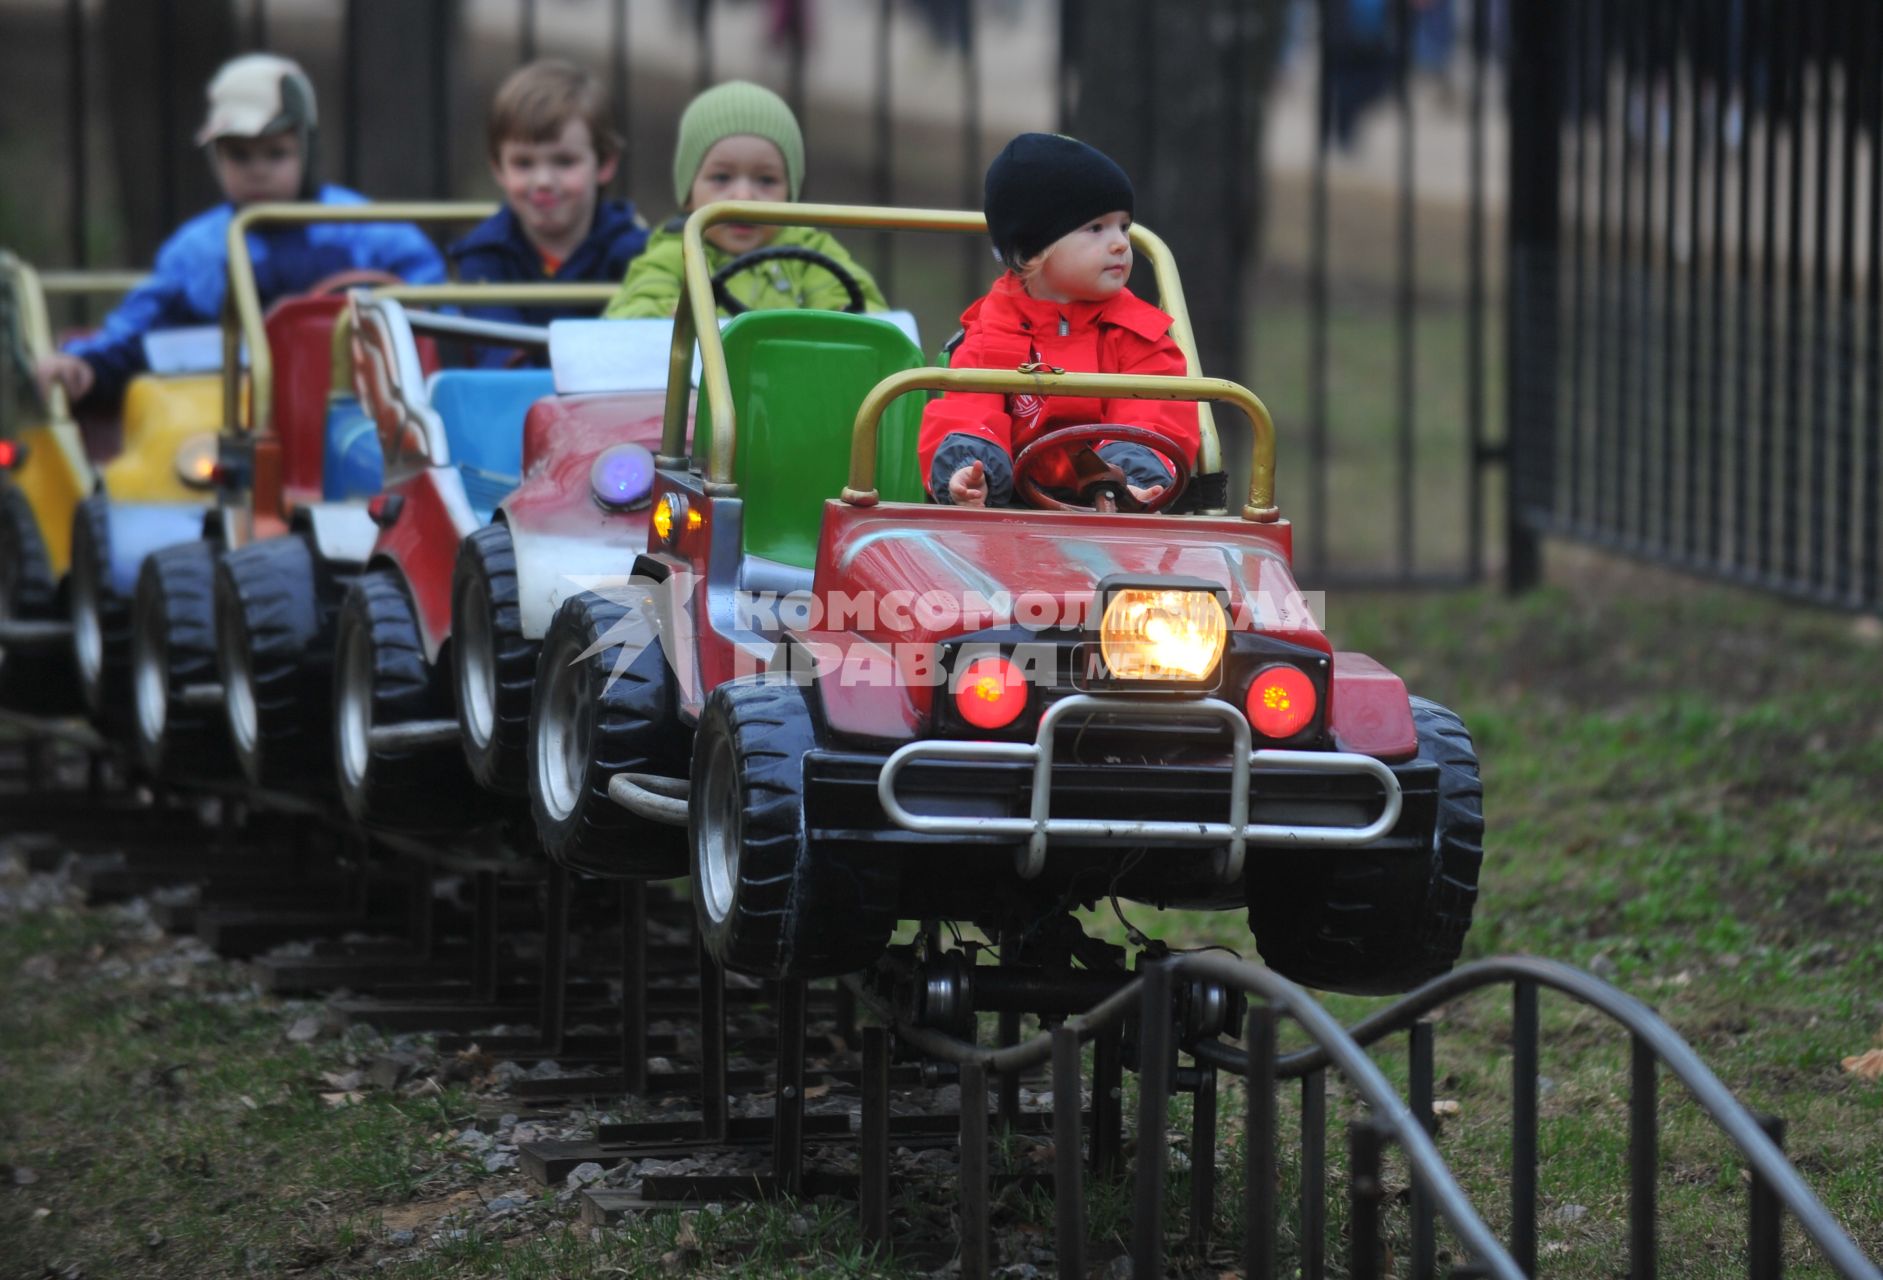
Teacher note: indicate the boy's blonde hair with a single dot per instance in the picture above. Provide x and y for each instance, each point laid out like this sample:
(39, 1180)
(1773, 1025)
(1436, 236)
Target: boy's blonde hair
(537, 100)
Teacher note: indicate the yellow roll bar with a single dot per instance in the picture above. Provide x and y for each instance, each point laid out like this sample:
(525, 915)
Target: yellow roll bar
(861, 491)
(698, 315)
(30, 289)
(242, 309)
(545, 294)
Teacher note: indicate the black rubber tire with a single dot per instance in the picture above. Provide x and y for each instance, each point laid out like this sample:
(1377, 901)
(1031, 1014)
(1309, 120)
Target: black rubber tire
(408, 787)
(105, 681)
(1380, 921)
(588, 723)
(173, 646)
(39, 682)
(787, 909)
(493, 719)
(277, 606)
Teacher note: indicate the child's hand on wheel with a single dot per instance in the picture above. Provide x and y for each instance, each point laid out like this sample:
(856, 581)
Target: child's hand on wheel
(967, 487)
(1145, 496)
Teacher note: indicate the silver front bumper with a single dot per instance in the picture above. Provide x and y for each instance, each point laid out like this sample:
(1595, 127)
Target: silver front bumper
(1040, 826)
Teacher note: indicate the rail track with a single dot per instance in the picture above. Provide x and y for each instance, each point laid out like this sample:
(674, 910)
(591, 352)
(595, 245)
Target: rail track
(527, 945)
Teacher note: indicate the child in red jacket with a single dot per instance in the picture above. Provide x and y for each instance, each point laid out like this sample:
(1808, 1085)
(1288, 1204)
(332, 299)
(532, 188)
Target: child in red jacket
(1059, 213)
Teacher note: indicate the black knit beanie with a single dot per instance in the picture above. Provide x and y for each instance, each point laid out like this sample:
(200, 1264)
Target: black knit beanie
(1043, 185)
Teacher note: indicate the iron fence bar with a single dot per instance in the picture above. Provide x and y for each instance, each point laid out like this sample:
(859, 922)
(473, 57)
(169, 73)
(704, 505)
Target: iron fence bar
(1845, 469)
(1474, 295)
(1317, 300)
(1867, 583)
(1107, 1154)
(1363, 1187)
(1314, 1175)
(1155, 1054)
(1716, 311)
(1068, 1176)
(553, 988)
(1643, 1159)
(1761, 513)
(167, 141)
(788, 1109)
(1575, 447)
(1614, 488)
(1742, 347)
(1766, 1239)
(1259, 1169)
(619, 73)
(1404, 287)
(1670, 271)
(873, 1161)
(1818, 462)
(1607, 270)
(703, 43)
(883, 168)
(1202, 1161)
(973, 254)
(1697, 425)
(1788, 526)
(1419, 1095)
(1523, 1125)
(1635, 503)
(1007, 1032)
(974, 1207)
(484, 933)
(78, 119)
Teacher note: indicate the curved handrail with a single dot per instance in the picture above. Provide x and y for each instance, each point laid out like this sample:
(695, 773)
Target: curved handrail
(698, 312)
(1389, 1109)
(1345, 1049)
(861, 491)
(242, 305)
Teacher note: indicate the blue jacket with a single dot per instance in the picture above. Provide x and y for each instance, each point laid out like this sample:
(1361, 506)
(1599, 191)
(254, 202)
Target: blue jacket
(497, 251)
(191, 275)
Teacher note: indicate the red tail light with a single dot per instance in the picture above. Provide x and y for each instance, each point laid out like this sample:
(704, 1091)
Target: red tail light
(990, 693)
(1282, 701)
(12, 453)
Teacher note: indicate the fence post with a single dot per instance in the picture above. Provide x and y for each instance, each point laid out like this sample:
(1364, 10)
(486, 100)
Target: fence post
(1530, 307)
(1765, 1247)
(1068, 1180)
(1154, 1054)
(1643, 1161)
(1523, 1116)
(1259, 1177)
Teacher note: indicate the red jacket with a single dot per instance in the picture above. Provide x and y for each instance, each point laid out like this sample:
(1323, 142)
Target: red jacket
(1008, 328)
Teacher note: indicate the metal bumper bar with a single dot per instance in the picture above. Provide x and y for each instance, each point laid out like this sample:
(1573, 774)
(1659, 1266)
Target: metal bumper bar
(1040, 826)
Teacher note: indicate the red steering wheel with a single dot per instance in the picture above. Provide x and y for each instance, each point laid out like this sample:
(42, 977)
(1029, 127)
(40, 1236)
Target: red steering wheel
(1100, 484)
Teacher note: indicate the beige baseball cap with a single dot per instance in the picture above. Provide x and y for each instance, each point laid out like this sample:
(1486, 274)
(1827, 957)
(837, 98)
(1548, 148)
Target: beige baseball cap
(255, 94)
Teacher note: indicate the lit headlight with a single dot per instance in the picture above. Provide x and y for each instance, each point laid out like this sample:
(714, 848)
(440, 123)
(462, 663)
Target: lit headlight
(622, 477)
(1157, 633)
(196, 461)
(674, 516)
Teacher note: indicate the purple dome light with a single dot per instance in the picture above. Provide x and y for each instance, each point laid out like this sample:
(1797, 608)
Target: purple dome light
(622, 476)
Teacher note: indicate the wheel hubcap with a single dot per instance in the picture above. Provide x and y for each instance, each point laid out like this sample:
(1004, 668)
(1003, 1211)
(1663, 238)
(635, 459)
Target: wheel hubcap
(477, 668)
(561, 746)
(238, 684)
(356, 706)
(150, 677)
(88, 634)
(719, 836)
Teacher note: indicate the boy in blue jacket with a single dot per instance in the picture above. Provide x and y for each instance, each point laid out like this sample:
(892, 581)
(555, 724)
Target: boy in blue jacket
(261, 131)
(552, 149)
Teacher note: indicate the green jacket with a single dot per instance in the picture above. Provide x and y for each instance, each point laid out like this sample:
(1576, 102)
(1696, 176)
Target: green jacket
(652, 285)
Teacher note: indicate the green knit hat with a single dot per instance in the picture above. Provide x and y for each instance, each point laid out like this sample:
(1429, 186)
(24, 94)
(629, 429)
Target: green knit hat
(725, 111)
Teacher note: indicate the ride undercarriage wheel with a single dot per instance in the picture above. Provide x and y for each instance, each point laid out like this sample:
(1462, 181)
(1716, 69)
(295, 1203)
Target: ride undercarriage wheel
(101, 617)
(1375, 921)
(37, 679)
(495, 663)
(770, 903)
(180, 726)
(383, 682)
(277, 605)
(592, 718)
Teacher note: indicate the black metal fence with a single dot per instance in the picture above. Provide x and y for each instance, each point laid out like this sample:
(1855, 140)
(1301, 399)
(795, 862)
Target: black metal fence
(1695, 318)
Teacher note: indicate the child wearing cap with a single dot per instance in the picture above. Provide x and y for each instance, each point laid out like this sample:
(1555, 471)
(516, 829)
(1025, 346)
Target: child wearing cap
(261, 132)
(739, 141)
(1059, 213)
(552, 149)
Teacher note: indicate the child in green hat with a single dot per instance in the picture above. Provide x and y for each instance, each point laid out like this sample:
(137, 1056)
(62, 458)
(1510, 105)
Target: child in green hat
(739, 141)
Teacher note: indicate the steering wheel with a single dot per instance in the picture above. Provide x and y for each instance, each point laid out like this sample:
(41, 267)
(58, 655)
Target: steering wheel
(1101, 484)
(351, 278)
(782, 253)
